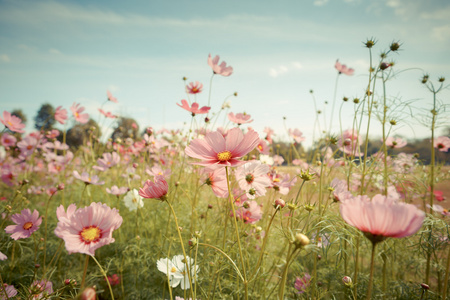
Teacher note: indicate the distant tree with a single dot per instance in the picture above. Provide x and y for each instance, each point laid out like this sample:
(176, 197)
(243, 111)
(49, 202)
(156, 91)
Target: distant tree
(79, 134)
(19, 113)
(45, 117)
(126, 128)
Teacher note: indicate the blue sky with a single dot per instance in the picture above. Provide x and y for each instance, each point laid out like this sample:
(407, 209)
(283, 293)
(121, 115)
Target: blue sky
(73, 51)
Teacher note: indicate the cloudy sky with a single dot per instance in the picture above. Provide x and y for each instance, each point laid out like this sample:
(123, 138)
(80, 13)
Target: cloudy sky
(60, 52)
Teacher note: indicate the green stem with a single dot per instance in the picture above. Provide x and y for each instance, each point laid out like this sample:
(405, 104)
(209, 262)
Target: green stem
(369, 290)
(355, 275)
(83, 280)
(106, 277)
(447, 270)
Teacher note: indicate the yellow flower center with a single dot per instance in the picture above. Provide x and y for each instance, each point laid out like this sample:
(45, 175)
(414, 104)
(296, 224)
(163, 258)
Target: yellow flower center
(27, 225)
(173, 270)
(90, 234)
(224, 156)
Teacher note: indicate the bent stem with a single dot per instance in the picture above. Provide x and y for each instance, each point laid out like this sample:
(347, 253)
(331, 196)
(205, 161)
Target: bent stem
(237, 235)
(106, 277)
(229, 258)
(369, 290)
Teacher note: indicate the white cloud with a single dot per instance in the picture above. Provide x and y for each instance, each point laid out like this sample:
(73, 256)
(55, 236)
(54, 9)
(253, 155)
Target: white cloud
(4, 58)
(441, 14)
(282, 69)
(320, 2)
(54, 51)
(441, 33)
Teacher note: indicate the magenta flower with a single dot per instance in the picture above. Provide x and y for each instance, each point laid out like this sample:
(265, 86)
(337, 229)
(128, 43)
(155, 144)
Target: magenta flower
(86, 229)
(395, 143)
(8, 140)
(61, 115)
(111, 97)
(252, 178)
(442, 143)
(26, 224)
(194, 88)
(216, 151)
(12, 122)
(155, 190)
(382, 217)
(343, 69)
(221, 69)
(302, 283)
(194, 109)
(77, 113)
(239, 118)
(250, 212)
(87, 178)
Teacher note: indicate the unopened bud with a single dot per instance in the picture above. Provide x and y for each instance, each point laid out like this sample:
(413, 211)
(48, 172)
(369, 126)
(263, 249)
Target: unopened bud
(394, 46)
(356, 100)
(246, 205)
(347, 280)
(192, 242)
(301, 240)
(279, 203)
(89, 294)
(425, 286)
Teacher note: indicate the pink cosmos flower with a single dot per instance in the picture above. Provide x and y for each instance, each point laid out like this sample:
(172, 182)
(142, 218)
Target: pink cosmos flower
(296, 134)
(3, 257)
(155, 190)
(12, 122)
(282, 183)
(8, 140)
(115, 190)
(349, 142)
(107, 114)
(77, 113)
(278, 160)
(252, 178)
(250, 212)
(340, 192)
(109, 160)
(343, 69)
(269, 132)
(111, 97)
(221, 69)
(7, 292)
(439, 209)
(87, 178)
(382, 217)
(86, 229)
(61, 115)
(439, 196)
(442, 143)
(262, 147)
(194, 88)
(114, 280)
(157, 170)
(395, 142)
(405, 163)
(194, 109)
(26, 224)
(302, 283)
(239, 118)
(41, 289)
(217, 151)
(52, 134)
(217, 180)
(27, 145)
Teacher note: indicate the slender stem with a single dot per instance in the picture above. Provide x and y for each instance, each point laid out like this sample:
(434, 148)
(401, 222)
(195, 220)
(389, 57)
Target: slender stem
(369, 290)
(355, 275)
(334, 102)
(224, 254)
(104, 274)
(447, 270)
(86, 263)
(237, 235)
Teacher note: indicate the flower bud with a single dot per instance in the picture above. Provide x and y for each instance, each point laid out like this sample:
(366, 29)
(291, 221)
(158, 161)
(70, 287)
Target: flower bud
(89, 294)
(193, 242)
(425, 286)
(345, 99)
(356, 100)
(393, 122)
(301, 240)
(394, 46)
(441, 79)
(384, 66)
(347, 281)
(246, 205)
(279, 203)
(370, 43)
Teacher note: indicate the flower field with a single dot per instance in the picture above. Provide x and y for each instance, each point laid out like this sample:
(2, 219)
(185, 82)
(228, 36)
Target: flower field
(221, 211)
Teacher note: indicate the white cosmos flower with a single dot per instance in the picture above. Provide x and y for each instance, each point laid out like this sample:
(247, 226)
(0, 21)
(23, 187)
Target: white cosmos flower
(133, 200)
(176, 270)
(266, 159)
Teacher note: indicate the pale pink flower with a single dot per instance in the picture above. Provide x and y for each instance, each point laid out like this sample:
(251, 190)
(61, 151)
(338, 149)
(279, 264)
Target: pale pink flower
(302, 283)
(109, 160)
(439, 209)
(217, 180)
(221, 69)
(240, 118)
(296, 134)
(87, 178)
(55, 145)
(8, 140)
(250, 212)
(26, 224)
(107, 114)
(111, 97)
(194, 109)
(349, 142)
(269, 132)
(252, 178)
(155, 190)
(115, 190)
(52, 134)
(41, 289)
(194, 88)
(282, 183)
(77, 113)
(3, 257)
(215, 150)
(27, 145)
(442, 143)
(61, 115)
(157, 170)
(395, 143)
(278, 160)
(382, 217)
(262, 147)
(342, 69)
(86, 229)
(340, 190)
(405, 163)
(9, 290)
(12, 122)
